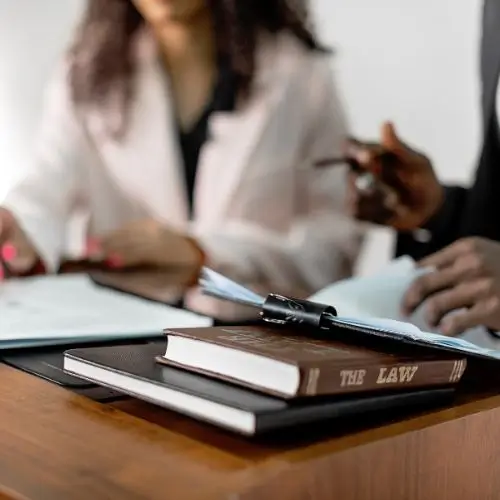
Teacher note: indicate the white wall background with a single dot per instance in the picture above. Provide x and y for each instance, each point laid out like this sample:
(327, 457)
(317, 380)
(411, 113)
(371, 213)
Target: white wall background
(411, 61)
(32, 35)
(414, 62)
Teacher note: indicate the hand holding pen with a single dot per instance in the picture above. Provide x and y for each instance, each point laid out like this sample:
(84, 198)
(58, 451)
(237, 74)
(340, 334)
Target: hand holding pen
(390, 183)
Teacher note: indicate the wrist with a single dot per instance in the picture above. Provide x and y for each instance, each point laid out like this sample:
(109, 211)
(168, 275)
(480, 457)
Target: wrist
(181, 251)
(439, 201)
(439, 198)
(199, 257)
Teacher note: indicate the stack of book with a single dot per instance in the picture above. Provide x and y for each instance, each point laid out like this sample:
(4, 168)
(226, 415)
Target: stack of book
(304, 364)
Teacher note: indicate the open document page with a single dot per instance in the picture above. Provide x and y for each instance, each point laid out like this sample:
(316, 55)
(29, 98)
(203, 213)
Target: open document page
(380, 295)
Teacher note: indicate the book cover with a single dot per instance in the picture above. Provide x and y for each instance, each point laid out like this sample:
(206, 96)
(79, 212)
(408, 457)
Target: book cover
(257, 357)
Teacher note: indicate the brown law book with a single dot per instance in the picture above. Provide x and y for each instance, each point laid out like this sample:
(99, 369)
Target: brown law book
(284, 363)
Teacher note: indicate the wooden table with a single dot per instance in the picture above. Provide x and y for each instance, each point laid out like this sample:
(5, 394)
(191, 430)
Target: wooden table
(56, 445)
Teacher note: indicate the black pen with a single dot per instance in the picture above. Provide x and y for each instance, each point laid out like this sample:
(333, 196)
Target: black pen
(365, 181)
(331, 162)
(383, 157)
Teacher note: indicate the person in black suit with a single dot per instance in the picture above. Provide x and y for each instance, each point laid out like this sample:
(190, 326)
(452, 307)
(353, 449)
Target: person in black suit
(453, 229)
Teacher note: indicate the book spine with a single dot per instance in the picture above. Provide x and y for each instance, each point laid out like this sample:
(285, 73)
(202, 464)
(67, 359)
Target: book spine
(325, 380)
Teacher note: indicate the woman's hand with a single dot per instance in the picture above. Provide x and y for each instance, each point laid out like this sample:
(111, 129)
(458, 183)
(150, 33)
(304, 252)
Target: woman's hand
(416, 194)
(147, 242)
(16, 251)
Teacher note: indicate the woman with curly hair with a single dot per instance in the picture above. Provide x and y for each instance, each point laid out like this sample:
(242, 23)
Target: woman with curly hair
(189, 130)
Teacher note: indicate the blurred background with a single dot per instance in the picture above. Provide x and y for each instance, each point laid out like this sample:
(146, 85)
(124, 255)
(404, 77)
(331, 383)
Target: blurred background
(414, 62)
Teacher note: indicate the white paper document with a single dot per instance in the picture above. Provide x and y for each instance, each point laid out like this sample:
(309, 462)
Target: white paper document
(379, 295)
(71, 308)
(369, 298)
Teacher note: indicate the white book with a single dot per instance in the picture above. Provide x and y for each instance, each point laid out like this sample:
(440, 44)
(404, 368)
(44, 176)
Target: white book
(71, 308)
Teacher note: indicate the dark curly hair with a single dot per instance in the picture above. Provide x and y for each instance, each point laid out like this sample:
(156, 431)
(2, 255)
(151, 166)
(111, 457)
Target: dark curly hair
(102, 56)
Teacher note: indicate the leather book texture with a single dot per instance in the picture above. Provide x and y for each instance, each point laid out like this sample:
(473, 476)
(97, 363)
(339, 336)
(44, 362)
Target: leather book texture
(329, 366)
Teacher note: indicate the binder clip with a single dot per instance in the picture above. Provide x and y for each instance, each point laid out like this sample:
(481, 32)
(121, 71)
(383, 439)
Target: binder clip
(296, 312)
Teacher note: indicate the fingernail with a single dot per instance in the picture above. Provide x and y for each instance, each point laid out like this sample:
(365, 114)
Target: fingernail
(93, 246)
(2, 273)
(9, 252)
(114, 261)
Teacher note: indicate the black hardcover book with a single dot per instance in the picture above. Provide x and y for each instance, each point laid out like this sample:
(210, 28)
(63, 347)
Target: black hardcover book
(47, 362)
(133, 371)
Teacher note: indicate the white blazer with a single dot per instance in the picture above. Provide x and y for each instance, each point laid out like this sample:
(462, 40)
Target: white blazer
(261, 211)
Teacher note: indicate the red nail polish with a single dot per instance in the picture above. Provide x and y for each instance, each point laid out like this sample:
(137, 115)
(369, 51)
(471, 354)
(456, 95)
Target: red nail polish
(9, 252)
(114, 261)
(93, 246)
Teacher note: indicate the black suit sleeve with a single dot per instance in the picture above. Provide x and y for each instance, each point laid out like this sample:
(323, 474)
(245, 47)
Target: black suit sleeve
(440, 231)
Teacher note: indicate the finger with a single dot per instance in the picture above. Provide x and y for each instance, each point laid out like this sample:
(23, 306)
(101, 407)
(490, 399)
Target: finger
(116, 261)
(121, 243)
(371, 208)
(449, 255)
(390, 139)
(8, 252)
(391, 142)
(124, 260)
(380, 205)
(429, 284)
(130, 254)
(360, 204)
(94, 250)
(17, 257)
(401, 212)
(93, 245)
(123, 248)
(352, 196)
(7, 224)
(116, 238)
(462, 296)
(392, 201)
(457, 323)
(126, 232)
(121, 257)
(8, 256)
(366, 156)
